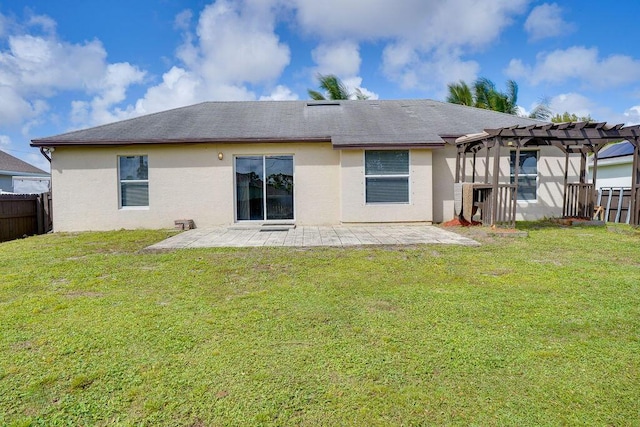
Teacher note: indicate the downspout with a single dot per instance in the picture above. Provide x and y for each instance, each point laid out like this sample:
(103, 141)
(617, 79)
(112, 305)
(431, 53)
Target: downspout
(44, 153)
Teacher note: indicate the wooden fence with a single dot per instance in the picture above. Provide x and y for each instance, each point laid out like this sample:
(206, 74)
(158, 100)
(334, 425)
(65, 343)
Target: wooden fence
(24, 215)
(615, 203)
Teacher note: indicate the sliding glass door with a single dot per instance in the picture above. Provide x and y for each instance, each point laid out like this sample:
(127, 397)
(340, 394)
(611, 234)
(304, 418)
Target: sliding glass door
(264, 188)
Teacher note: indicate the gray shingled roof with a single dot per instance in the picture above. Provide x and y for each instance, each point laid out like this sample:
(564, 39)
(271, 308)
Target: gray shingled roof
(11, 164)
(344, 123)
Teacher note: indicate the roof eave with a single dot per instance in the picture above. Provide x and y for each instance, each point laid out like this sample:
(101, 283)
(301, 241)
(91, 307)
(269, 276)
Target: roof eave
(389, 145)
(19, 173)
(164, 141)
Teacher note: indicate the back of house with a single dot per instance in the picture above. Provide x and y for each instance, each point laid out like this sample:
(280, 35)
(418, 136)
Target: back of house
(293, 162)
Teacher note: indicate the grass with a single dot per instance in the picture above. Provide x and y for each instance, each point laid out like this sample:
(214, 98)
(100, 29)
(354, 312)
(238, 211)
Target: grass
(543, 330)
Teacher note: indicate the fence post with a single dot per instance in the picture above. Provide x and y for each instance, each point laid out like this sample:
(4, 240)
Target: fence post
(40, 213)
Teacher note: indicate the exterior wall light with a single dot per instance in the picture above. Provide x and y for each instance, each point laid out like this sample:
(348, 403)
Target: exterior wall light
(220, 156)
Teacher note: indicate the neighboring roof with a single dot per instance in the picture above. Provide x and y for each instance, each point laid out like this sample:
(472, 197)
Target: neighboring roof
(620, 149)
(344, 123)
(10, 165)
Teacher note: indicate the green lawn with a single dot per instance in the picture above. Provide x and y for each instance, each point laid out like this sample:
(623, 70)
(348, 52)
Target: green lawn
(543, 330)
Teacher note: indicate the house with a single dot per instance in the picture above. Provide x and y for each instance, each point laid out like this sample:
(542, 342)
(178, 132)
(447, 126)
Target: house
(615, 163)
(302, 162)
(17, 176)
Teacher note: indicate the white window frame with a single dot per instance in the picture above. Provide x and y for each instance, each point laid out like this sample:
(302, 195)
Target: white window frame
(407, 176)
(520, 174)
(132, 181)
(264, 190)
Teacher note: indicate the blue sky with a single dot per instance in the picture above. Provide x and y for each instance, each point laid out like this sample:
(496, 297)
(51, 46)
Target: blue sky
(66, 64)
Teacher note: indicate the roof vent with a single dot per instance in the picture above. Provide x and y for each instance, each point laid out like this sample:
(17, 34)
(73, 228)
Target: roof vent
(322, 103)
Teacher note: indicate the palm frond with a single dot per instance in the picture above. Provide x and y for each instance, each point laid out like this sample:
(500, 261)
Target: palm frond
(315, 95)
(460, 93)
(359, 95)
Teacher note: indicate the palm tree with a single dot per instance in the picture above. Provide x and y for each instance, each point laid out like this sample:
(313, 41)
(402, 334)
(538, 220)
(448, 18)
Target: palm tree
(483, 94)
(542, 111)
(334, 88)
(507, 102)
(460, 93)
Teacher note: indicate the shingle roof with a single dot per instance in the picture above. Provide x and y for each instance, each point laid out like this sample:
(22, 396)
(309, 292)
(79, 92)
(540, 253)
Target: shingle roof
(344, 123)
(8, 163)
(624, 148)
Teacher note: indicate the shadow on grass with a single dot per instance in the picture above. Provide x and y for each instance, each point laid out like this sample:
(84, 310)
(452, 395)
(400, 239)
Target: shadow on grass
(554, 223)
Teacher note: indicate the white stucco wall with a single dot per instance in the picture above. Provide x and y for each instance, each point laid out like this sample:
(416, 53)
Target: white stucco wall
(615, 172)
(444, 171)
(354, 207)
(550, 193)
(185, 182)
(6, 183)
(188, 181)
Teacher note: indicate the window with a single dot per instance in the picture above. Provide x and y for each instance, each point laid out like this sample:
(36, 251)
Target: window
(134, 181)
(527, 175)
(386, 176)
(264, 188)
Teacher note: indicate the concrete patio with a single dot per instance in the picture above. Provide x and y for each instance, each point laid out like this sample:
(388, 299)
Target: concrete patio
(356, 235)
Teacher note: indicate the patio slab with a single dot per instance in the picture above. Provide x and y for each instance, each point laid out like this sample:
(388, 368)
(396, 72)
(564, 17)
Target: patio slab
(307, 236)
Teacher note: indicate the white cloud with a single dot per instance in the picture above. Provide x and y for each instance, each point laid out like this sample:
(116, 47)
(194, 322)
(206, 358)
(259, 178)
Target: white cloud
(280, 93)
(424, 23)
(43, 66)
(340, 58)
(182, 87)
(179, 87)
(413, 70)
(355, 83)
(5, 141)
(183, 20)
(235, 46)
(582, 106)
(14, 109)
(111, 90)
(34, 68)
(546, 21)
(572, 103)
(421, 37)
(44, 22)
(579, 63)
(632, 115)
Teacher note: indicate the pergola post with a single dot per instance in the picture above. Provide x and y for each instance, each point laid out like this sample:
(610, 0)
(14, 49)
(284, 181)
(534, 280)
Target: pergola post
(566, 182)
(473, 172)
(583, 166)
(486, 163)
(464, 166)
(634, 204)
(595, 166)
(514, 197)
(583, 194)
(458, 164)
(496, 180)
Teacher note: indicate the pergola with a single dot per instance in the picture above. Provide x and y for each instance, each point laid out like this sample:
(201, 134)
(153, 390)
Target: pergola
(497, 202)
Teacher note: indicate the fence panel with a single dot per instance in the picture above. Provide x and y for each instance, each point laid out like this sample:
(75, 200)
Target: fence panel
(615, 203)
(24, 215)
